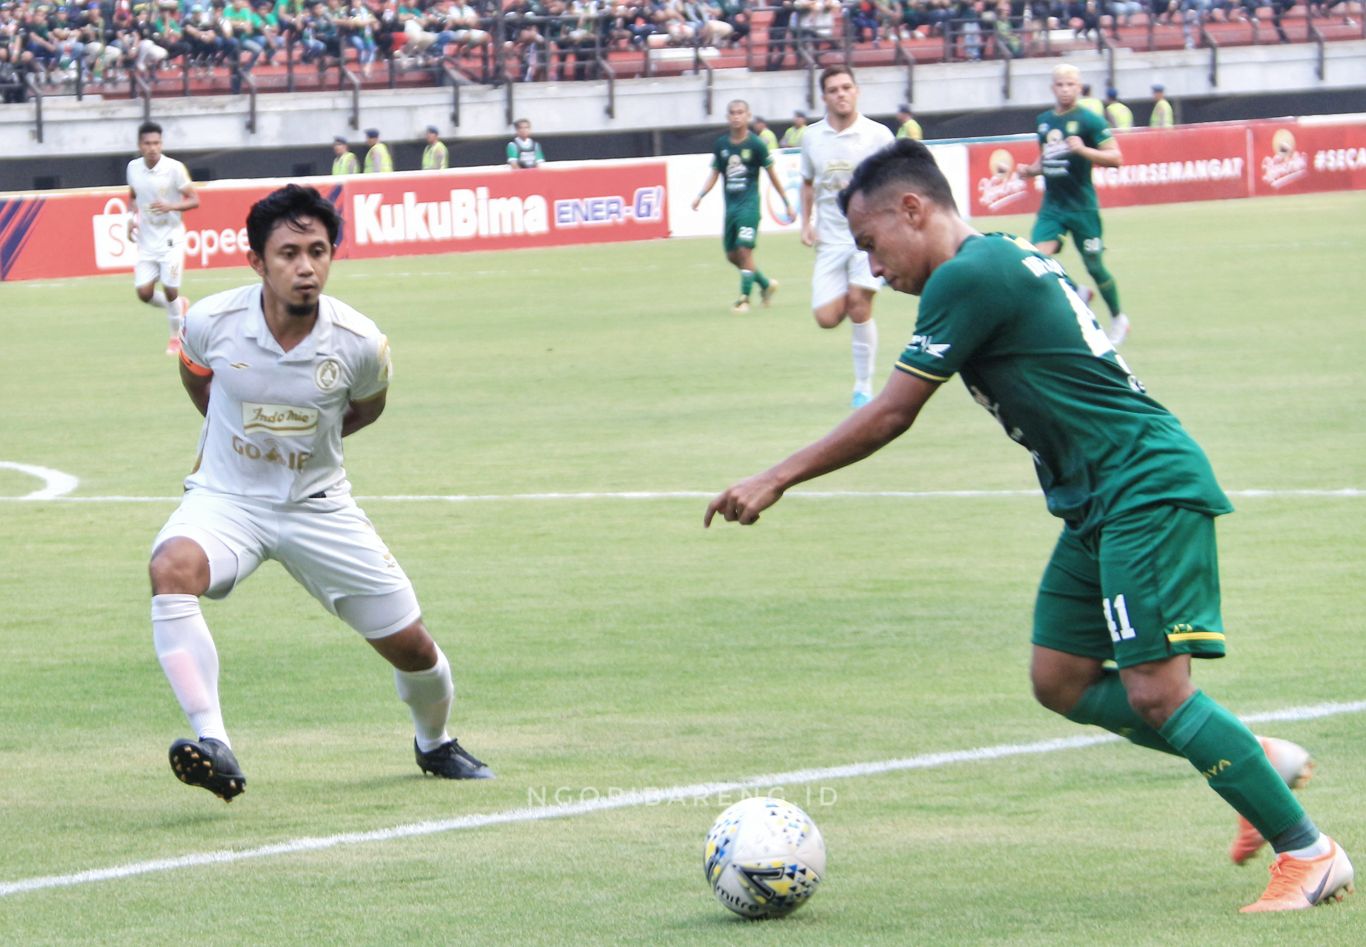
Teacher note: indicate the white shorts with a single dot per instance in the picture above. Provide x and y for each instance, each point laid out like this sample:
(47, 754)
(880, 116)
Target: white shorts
(327, 545)
(165, 268)
(839, 266)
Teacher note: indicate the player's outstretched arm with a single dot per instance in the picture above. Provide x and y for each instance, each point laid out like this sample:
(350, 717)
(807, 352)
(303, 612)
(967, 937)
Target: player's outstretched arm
(868, 429)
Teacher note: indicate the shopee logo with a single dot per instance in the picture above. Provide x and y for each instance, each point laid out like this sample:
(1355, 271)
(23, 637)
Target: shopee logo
(114, 251)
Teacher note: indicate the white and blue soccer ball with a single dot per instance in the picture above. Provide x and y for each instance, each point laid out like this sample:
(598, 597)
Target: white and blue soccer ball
(764, 857)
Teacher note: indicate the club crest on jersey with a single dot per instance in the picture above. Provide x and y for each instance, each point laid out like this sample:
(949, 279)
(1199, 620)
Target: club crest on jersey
(327, 374)
(927, 345)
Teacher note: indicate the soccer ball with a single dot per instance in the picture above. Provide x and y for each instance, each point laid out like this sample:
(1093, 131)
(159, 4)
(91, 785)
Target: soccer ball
(764, 857)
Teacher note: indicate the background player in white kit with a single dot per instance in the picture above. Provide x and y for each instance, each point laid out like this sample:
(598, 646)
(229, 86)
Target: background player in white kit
(842, 285)
(282, 373)
(160, 191)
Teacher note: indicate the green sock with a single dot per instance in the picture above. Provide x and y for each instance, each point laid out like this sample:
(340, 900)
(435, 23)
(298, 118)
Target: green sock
(1225, 751)
(1106, 704)
(1110, 293)
(1105, 283)
(761, 279)
(746, 282)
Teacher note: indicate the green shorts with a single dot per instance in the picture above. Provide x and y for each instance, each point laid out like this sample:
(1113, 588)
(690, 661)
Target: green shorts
(741, 229)
(1054, 223)
(1142, 588)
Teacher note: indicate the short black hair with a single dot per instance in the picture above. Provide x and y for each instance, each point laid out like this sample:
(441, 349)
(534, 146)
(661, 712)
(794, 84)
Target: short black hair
(838, 69)
(148, 128)
(291, 203)
(905, 161)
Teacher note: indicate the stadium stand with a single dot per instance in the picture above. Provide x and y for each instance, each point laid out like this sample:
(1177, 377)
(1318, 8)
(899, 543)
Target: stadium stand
(193, 47)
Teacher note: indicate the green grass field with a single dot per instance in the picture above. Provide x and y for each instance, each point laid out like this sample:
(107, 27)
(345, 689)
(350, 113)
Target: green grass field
(608, 644)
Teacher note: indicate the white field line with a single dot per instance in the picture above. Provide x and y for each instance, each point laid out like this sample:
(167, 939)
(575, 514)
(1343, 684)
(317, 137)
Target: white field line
(47, 494)
(623, 800)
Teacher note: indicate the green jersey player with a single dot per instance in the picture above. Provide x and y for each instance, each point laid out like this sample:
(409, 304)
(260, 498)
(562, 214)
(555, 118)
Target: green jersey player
(739, 155)
(1133, 580)
(1072, 140)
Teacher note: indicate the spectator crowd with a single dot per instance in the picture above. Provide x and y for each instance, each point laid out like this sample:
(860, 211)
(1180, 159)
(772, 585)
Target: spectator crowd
(107, 41)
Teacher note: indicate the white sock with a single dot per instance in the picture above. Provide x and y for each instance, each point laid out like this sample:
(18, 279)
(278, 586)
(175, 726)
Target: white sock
(1317, 850)
(429, 695)
(173, 318)
(190, 660)
(864, 345)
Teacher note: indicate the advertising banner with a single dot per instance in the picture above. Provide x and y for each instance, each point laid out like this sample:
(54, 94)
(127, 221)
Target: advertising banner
(1300, 158)
(399, 215)
(84, 233)
(994, 183)
(687, 174)
(1165, 166)
(1175, 165)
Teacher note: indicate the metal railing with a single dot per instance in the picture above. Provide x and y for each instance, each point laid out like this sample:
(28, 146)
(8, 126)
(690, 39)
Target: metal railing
(247, 79)
(1107, 50)
(32, 80)
(348, 76)
(1213, 46)
(806, 58)
(699, 65)
(141, 87)
(456, 80)
(902, 56)
(614, 55)
(1007, 56)
(1320, 58)
(606, 71)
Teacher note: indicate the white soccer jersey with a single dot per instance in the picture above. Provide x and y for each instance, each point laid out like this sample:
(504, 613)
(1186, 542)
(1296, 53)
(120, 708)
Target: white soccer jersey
(273, 428)
(158, 233)
(828, 161)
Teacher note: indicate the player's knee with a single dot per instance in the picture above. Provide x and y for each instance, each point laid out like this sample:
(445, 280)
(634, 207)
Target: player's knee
(1054, 693)
(1060, 680)
(408, 649)
(145, 293)
(1155, 698)
(829, 315)
(178, 567)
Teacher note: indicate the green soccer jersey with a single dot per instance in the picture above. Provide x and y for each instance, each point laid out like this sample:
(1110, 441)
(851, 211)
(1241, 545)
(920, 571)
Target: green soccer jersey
(739, 165)
(1067, 176)
(1004, 317)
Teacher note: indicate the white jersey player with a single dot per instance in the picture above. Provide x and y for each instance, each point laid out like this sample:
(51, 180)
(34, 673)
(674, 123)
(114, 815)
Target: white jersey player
(842, 285)
(281, 374)
(160, 191)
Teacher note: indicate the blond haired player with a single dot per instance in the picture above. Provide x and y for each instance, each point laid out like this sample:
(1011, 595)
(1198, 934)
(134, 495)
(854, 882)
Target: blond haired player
(281, 374)
(160, 191)
(841, 286)
(1073, 139)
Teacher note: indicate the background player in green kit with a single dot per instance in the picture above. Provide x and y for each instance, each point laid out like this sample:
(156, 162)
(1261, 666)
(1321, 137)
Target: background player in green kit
(739, 154)
(1134, 576)
(1071, 140)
